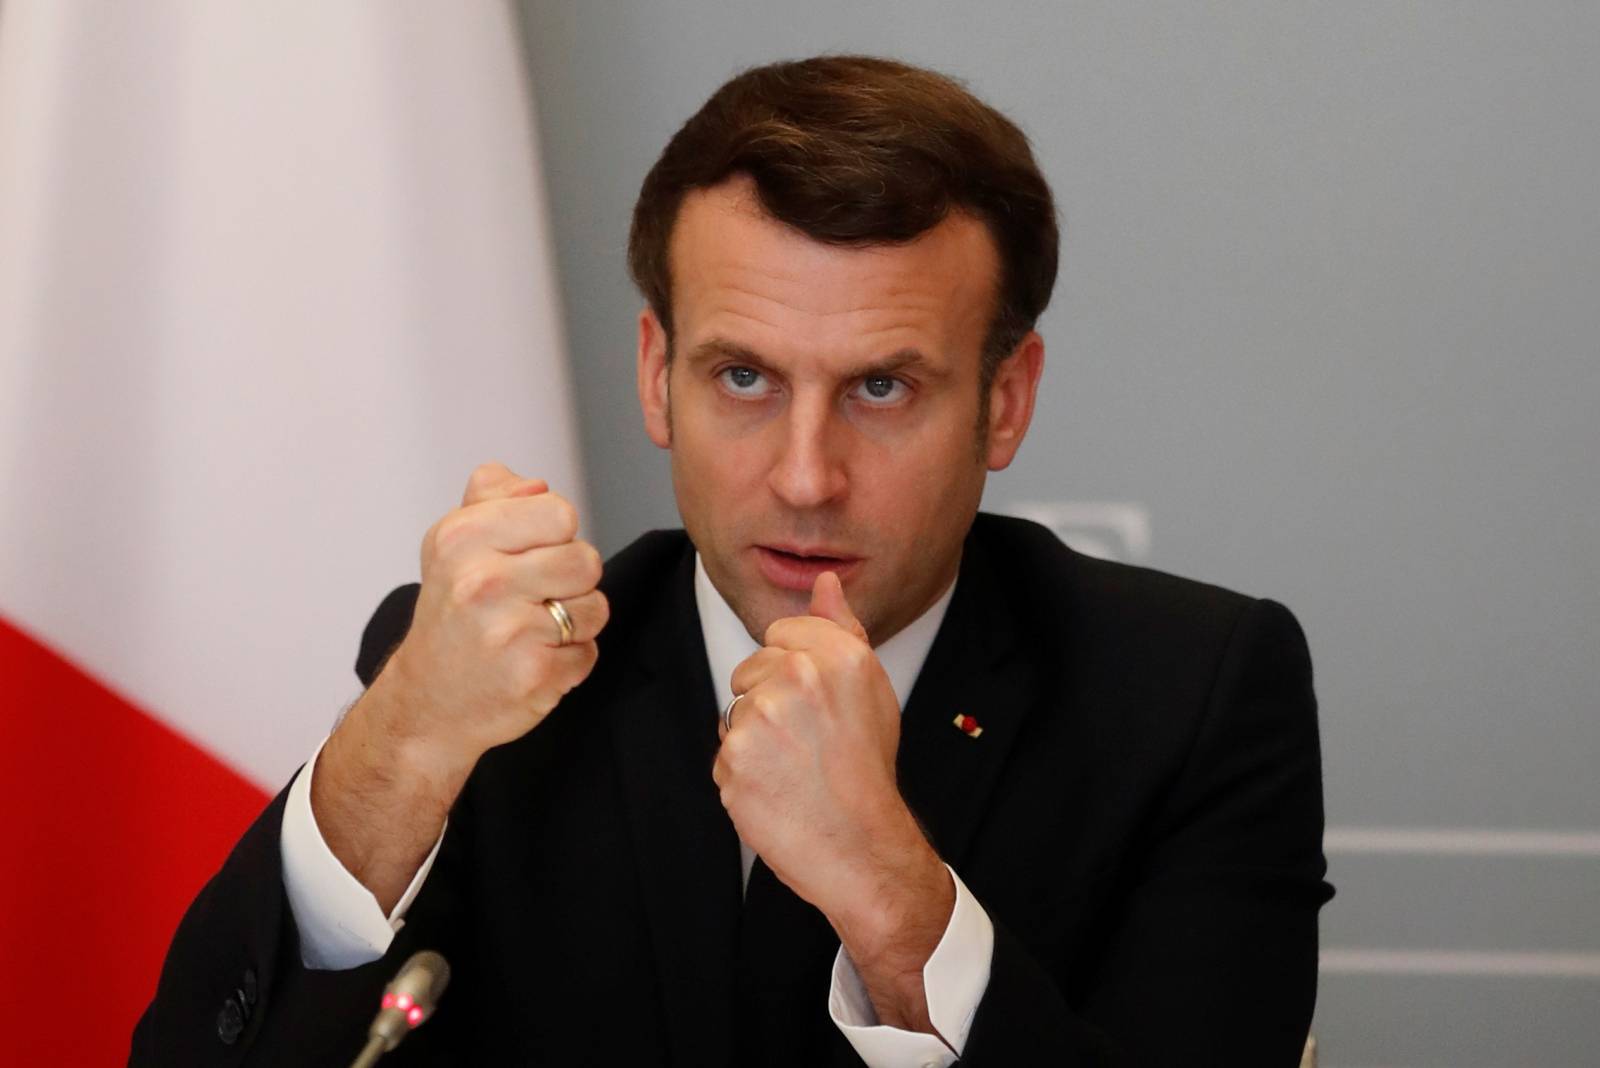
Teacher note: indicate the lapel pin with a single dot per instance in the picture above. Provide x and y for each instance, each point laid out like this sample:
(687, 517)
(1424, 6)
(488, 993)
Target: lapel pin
(968, 726)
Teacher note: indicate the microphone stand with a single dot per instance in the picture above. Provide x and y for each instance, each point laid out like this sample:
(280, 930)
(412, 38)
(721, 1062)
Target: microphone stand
(369, 1053)
(409, 999)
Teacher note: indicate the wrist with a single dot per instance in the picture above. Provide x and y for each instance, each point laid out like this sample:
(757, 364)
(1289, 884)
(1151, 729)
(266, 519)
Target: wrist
(381, 745)
(895, 917)
(378, 816)
(891, 942)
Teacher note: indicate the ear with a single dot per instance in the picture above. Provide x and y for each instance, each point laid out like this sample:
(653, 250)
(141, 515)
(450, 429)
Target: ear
(652, 379)
(1011, 397)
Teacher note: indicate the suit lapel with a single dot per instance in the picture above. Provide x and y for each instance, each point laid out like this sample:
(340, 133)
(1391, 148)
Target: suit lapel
(688, 854)
(974, 668)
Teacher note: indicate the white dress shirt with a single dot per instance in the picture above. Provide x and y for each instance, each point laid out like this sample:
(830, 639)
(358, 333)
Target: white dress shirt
(341, 924)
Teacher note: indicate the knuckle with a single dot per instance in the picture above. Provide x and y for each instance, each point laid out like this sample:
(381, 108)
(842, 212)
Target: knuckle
(602, 610)
(803, 669)
(527, 674)
(430, 543)
(453, 529)
(563, 517)
(569, 563)
(476, 585)
(573, 665)
(501, 633)
(483, 478)
(590, 565)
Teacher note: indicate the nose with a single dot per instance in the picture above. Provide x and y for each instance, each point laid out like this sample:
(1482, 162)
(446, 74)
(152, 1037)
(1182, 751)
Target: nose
(810, 469)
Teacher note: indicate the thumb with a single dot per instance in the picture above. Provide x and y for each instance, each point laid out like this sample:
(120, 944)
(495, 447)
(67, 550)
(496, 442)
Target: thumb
(493, 481)
(827, 601)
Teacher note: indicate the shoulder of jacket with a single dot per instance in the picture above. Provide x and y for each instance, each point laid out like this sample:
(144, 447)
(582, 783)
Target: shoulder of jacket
(647, 560)
(1051, 580)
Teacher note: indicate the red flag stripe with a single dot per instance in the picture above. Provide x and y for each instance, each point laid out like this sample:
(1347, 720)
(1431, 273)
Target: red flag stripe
(110, 822)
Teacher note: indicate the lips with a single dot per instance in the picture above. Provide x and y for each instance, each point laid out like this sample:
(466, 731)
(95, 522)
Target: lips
(796, 568)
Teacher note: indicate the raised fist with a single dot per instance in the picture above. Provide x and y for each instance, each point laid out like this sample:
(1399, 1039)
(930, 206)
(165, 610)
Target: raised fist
(484, 660)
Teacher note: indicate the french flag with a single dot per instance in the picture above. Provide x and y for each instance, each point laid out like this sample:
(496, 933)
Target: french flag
(273, 279)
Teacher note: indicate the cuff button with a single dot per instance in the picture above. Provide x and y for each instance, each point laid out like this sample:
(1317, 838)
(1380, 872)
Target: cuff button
(230, 1021)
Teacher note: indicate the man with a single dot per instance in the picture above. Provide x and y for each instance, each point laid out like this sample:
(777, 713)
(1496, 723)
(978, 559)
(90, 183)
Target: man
(845, 772)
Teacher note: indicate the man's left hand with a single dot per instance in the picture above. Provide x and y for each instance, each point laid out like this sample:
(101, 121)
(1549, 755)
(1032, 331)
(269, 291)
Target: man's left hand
(807, 774)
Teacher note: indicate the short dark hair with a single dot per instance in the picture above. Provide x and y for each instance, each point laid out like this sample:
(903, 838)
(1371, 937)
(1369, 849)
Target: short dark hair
(858, 150)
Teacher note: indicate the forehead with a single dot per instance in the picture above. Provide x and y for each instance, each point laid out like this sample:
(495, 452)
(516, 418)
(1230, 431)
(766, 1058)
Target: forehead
(740, 275)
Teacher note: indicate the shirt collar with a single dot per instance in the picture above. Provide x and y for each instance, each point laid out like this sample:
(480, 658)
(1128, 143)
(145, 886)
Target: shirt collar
(728, 643)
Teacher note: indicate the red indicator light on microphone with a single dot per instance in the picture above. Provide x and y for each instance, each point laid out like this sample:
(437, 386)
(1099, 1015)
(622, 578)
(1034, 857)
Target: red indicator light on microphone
(403, 1002)
(388, 1000)
(414, 1016)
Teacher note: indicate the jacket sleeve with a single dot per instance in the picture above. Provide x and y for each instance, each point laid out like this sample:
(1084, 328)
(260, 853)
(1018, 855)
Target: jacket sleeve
(1213, 955)
(233, 990)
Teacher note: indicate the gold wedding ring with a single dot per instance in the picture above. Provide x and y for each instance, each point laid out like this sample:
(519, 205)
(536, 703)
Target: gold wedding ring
(563, 618)
(727, 713)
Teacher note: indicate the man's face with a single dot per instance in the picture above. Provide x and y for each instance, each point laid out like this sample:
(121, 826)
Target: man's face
(824, 407)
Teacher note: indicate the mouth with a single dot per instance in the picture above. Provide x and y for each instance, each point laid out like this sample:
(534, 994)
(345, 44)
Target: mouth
(793, 567)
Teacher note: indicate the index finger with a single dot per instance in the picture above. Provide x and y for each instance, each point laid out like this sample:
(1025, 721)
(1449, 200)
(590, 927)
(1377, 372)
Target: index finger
(805, 632)
(755, 667)
(496, 481)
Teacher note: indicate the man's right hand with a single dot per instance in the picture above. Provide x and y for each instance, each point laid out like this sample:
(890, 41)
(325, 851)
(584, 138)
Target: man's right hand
(482, 664)
(483, 661)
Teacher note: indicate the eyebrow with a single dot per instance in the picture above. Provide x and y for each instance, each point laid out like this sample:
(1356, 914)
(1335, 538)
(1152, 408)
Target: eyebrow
(899, 360)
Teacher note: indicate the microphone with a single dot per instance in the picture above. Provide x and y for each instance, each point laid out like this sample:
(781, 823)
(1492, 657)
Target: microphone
(409, 999)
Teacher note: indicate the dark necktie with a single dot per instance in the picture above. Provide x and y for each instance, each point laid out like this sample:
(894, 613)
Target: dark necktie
(786, 951)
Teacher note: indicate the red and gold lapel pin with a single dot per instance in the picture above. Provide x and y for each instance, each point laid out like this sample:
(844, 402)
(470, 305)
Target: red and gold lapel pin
(968, 725)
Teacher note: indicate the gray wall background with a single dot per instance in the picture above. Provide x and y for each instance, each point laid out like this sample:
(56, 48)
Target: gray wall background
(1328, 325)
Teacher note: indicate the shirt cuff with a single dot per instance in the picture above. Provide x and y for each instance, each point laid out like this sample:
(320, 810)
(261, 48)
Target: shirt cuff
(953, 980)
(341, 924)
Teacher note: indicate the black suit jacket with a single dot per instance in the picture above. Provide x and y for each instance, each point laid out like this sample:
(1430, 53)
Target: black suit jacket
(1141, 818)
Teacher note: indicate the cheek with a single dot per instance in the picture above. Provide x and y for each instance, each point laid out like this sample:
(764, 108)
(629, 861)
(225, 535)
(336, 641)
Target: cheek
(922, 502)
(924, 478)
(717, 475)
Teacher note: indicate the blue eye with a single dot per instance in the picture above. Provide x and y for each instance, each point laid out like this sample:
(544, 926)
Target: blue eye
(743, 381)
(881, 389)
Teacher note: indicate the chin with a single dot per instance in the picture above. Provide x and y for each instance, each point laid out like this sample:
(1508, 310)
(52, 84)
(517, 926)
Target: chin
(771, 605)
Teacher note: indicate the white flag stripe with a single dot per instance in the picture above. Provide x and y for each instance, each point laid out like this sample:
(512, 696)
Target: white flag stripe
(275, 277)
